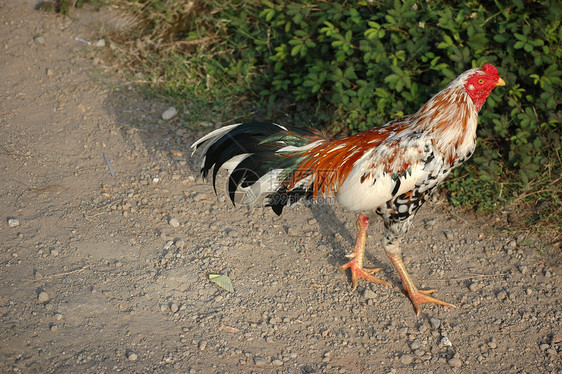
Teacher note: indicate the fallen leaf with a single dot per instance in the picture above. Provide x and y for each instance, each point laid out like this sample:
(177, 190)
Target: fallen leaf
(222, 281)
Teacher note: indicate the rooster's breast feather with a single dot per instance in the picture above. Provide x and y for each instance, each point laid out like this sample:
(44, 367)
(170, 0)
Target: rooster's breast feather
(388, 171)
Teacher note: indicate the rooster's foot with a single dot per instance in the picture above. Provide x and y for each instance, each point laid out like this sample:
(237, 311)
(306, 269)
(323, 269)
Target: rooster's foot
(419, 297)
(358, 271)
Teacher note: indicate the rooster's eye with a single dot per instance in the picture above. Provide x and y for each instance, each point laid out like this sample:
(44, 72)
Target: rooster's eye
(480, 81)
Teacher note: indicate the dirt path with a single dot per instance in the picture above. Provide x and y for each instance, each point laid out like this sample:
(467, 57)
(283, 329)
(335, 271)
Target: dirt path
(98, 278)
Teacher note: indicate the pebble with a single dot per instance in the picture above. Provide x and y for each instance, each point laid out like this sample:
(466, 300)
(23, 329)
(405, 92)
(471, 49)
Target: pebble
(292, 231)
(13, 222)
(277, 362)
(446, 342)
(502, 295)
(455, 362)
(58, 316)
(100, 43)
(202, 345)
(369, 294)
(180, 243)
(54, 252)
(174, 307)
(406, 359)
(132, 356)
(493, 343)
(43, 297)
(523, 269)
(169, 113)
(174, 222)
(474, 287)
(259, 361)
(39, 40)
(435, 323)
(449, 235)
(53, 327)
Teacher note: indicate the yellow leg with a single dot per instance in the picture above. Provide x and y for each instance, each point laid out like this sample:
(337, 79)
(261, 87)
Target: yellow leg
(357, 257)
(417, 297)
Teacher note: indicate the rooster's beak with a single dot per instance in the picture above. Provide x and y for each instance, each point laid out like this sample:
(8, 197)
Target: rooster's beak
(501, 82)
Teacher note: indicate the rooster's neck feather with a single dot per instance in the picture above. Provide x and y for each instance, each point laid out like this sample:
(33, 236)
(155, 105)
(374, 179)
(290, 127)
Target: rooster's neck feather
(450, 117)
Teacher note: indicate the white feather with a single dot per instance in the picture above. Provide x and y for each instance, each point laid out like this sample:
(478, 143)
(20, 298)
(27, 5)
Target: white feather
(234, 162)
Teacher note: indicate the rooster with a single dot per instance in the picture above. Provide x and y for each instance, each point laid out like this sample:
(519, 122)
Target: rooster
(389, 170)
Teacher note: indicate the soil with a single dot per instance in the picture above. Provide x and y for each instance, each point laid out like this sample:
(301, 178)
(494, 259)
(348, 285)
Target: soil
(105, 273)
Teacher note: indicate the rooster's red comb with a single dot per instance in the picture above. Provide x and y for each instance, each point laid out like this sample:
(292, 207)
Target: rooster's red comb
(490, 69)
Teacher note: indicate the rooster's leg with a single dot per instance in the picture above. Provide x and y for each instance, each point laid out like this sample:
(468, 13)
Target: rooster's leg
(356, 263)
(418, 297)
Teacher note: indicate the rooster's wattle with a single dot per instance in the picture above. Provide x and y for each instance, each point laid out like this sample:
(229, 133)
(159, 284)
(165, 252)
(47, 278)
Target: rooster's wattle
(389, 170)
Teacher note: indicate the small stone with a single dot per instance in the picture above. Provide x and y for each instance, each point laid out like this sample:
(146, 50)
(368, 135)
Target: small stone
(406, 359)
(415, 345)
(58, 316)
(169, 113)
(259, 361)
(435, 323)
(446, 342)
(132, 356)
(180, 243)
(449, 235)
(455, 362)
(512, 244)
(202, 345)
(523, 269)
(419, 352)
(292, 231)
(312, 221)
(53, 327)
(502, 295)
(54, 252)
(277, 362)
(168, 245)
(39, 40)
(474, 287)
(100, 43)
(43, 297)
(492, 343)
(49, 72)
(369, 294)
(174, 307)
(13, 222)
(174, 222)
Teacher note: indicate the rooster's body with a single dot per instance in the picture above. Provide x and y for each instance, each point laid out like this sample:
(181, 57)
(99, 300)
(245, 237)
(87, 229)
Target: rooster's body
(390, 170)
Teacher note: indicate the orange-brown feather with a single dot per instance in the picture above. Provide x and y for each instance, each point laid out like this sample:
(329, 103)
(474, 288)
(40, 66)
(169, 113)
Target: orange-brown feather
(330, 162)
